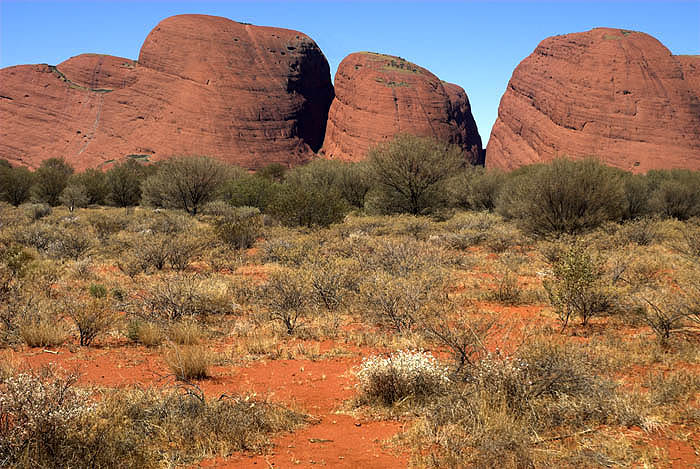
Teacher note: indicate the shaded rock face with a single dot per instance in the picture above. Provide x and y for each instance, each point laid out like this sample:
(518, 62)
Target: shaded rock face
(613, 94)
(244, 94)
(379, 96)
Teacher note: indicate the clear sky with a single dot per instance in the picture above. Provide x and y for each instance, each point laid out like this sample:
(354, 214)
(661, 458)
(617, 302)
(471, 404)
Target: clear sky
(475, 44)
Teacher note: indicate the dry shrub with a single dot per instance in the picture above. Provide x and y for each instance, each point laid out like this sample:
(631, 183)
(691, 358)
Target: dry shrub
(395, 302)
(146, 333)
(183, 249)
(93, 317)
(106, 223)
(402, 375)
(463, 337)
(189, 362)
(240, 229)
(286, 295)
(47, 422)
(175, 296)
(332, 282)
(642, 231)
(505, 407)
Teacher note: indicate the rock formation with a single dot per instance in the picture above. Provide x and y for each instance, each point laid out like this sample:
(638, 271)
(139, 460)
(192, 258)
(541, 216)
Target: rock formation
(244, 94)
(613, 94)
(378, 96)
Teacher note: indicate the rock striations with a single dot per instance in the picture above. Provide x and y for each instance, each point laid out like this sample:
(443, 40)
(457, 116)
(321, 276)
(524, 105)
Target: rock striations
(245, 94)
(613, 94)
(378, 96)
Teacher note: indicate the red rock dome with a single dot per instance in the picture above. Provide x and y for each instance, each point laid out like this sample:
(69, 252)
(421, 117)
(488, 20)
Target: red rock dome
(614, 94)
(248, 95)
(378, 96)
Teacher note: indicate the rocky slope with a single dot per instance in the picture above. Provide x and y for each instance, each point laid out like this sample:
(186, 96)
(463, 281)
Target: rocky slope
(378, 96)
(245, 94)
(614, 94)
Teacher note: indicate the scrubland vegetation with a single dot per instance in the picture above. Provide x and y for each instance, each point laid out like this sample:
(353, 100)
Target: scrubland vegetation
(546, 317)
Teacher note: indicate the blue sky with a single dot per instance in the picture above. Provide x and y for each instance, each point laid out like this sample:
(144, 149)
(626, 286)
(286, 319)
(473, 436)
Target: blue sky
(475, 44)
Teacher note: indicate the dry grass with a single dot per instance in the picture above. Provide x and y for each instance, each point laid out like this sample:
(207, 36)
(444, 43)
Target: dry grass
(65, 426)
(189, 362)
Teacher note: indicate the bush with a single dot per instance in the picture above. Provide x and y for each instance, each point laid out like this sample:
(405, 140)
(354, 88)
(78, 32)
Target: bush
(577, 286)
(124, 183)
(42, 329)
(37, 211)
(286, 295)
(146, 333)
(507, 406)
(399, 376)
(563, 196)
(410, 173)
(676, 193)
(181, 296)
(50, 179)
(15, 185)
(250, 191)
(73, 196)
(476, 188)
(309, 197)
(92, 317)
(395, 302)
(46, 422)
(240, 229)
(185, 183)
(37, 412)
(94, 183)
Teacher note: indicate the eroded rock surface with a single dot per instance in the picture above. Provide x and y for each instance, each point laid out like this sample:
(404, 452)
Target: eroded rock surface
(379, 96)
(617, 95)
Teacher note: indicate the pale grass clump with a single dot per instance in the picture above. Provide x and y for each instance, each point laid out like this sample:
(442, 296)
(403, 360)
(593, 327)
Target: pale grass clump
(145, 333)
(189, 362)
(401, 375)
(42, 329)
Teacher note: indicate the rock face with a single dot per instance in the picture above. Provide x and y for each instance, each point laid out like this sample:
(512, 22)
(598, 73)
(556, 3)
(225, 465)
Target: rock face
(378, 96)
(613, 94)
(248, 95)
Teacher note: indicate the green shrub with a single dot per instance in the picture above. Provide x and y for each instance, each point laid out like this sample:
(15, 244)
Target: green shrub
(73, 196)
(239, 229)
(410, 172)
(15, 184)
(308, 198)
(94, 183)
(185, 183)
(250, 191)
(577, 286)
(50, 179)
(124, 183)
(476, 188)
(563, 196)
(676, 193)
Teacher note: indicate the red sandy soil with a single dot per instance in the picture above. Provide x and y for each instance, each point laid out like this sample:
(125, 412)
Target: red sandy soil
(318, 388)
(321, 389)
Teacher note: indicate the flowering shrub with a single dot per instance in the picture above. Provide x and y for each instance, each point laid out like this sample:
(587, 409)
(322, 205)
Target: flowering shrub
(38, 410)
(402, 374)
